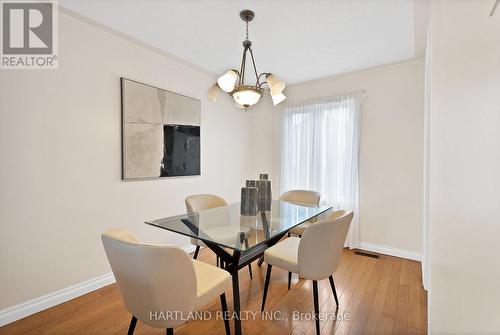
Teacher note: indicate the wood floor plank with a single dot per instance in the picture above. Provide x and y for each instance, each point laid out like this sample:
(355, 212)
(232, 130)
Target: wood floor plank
(392, 290)
(386, 325)
(373, 322)
(381, 296)
(423, 311)
(414, 312)
(364, 308)
(356, 297)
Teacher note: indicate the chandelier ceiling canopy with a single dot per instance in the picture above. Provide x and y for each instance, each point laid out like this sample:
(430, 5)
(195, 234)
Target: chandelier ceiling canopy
(233, 81)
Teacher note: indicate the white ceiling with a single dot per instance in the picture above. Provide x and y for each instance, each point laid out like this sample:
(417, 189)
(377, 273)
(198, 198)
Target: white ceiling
(296, 40)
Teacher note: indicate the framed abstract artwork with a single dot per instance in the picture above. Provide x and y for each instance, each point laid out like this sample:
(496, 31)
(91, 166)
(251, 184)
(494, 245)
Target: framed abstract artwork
(160, 132)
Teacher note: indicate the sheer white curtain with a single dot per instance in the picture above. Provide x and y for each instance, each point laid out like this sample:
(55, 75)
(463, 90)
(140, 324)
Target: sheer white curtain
(319, 151)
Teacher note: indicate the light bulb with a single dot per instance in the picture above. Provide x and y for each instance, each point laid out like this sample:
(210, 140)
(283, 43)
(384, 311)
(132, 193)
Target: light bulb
(227, 81)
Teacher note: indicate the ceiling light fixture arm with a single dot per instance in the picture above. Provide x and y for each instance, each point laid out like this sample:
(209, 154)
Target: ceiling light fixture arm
(264, 82)
(242, 67)
(254, 67)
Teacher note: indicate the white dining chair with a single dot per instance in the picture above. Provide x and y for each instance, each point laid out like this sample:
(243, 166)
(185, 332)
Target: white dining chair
(199, 202)
(161, 285)
(314, 257)
(301, 197)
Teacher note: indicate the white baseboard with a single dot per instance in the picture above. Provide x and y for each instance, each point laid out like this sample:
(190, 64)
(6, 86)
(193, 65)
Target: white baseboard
(382, 249)
(36, 305)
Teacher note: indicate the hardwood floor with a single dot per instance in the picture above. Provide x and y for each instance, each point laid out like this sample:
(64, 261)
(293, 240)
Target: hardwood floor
(377, 296)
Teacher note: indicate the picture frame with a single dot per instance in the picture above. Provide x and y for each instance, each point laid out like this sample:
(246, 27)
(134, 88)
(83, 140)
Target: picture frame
(161, 132)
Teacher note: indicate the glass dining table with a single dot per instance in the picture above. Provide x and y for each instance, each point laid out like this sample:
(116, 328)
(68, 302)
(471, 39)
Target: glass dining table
(239, 239)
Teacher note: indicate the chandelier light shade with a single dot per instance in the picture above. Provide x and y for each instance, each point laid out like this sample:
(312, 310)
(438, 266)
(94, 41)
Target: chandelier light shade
(233, 81)
(276, 86)
(227, 81)
(213, 92)
(277, 98)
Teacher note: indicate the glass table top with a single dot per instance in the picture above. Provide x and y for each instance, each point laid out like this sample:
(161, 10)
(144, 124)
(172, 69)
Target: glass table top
(226, 227)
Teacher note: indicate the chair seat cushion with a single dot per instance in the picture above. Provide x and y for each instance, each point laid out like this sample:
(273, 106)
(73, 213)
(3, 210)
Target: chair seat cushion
(284, 254)
(211, 282)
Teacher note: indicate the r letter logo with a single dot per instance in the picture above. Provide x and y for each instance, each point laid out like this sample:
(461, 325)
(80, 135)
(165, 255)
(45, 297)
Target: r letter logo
(29, 35)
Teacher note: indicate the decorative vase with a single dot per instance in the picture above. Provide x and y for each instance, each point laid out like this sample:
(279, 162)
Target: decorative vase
(264, 196)
(251, 183)
(249, 201)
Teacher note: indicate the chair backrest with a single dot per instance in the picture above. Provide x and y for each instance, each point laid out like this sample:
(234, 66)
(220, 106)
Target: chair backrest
(199, 202)
(153, 279)
(301, 197)
(321, 245)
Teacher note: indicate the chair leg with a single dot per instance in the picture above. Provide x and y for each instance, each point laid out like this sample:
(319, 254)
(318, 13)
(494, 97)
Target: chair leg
(316, 305)
(195, 256)
(170, 331)
(261, 260)
(223, 304)
(217, 258)
(332, 284)
(289, 280)
(289, 234)
(266, 286)
(131, 328)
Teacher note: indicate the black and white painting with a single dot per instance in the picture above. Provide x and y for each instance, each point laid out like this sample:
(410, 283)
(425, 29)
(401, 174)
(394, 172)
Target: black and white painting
(160, 132)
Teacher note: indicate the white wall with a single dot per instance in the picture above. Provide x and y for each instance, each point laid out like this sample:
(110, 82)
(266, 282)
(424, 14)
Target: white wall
(265, 150)
(391, 149)
(60, 159)
(465, 168)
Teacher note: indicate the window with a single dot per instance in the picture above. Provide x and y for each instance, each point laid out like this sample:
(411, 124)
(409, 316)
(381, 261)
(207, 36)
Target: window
(319, 149)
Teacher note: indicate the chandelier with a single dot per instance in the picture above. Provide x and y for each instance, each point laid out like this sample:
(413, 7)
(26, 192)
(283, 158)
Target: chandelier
(233, 81)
